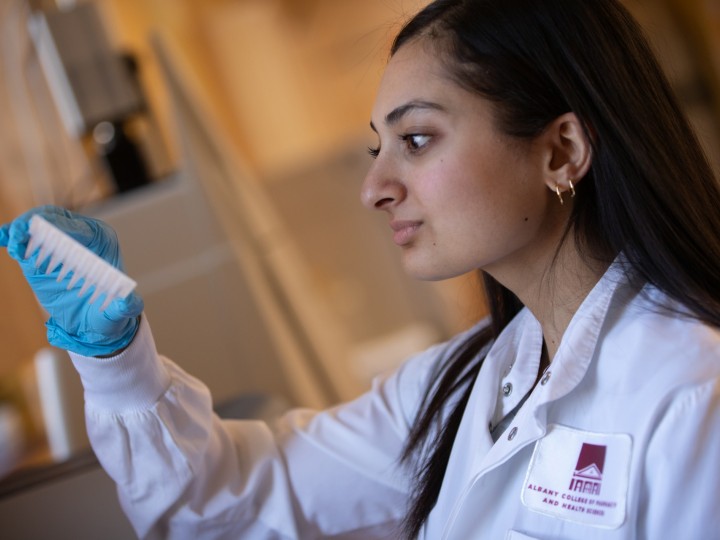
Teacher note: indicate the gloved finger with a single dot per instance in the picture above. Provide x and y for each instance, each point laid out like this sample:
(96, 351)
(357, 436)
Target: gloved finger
(17, 248)
(71, 224)
(91, 233)
(18, 237)
(17, 231)
(4, 235)
(125, 308)
(74, 225)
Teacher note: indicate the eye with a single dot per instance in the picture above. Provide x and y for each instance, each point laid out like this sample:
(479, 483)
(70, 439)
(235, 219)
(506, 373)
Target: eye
(415, 142)
(374, 152)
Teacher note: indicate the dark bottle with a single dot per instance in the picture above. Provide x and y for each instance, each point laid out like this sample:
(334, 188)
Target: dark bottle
(121, 156)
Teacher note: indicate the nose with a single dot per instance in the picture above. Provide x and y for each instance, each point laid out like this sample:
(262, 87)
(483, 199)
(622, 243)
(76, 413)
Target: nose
(381, 191)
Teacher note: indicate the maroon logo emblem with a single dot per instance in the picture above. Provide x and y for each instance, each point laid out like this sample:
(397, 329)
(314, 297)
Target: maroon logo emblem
(587, 477)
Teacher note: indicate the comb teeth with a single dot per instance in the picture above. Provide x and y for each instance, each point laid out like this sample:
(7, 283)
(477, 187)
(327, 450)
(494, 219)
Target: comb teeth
(96, 273)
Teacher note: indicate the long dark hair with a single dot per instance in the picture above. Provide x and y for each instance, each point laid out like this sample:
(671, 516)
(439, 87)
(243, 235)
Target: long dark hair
(650, 192)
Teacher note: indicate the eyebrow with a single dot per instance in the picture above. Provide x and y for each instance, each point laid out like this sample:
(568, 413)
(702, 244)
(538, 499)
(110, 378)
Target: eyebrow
(394, 116)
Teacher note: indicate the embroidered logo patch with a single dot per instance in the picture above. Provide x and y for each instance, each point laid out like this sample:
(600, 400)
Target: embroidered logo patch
(580, 476)
(587, 477)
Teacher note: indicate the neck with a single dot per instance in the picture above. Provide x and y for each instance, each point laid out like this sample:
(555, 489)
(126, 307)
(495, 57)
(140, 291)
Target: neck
(553, 289)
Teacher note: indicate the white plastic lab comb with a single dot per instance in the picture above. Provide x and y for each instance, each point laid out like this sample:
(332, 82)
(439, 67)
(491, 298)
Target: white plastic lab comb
(76, 258)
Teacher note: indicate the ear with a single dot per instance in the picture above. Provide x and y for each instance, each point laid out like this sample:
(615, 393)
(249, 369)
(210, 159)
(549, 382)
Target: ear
(567, 153)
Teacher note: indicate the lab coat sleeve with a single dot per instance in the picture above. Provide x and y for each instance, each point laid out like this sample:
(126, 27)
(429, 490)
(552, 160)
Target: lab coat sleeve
(183, 473)
(682, 470)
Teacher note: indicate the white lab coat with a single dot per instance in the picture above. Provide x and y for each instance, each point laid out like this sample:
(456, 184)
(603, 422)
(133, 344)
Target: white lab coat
(620, 440)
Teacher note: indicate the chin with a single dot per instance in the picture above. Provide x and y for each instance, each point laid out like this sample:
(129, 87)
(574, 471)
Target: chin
(430, 272)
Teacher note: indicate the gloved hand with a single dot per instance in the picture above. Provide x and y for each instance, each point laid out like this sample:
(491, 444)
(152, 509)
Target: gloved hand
(74, 324)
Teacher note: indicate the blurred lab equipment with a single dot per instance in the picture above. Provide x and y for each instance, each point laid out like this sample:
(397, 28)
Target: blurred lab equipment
(11, 438)
(94, 87)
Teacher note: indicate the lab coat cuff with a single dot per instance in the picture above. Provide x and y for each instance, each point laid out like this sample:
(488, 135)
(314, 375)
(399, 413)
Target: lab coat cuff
(132, 380)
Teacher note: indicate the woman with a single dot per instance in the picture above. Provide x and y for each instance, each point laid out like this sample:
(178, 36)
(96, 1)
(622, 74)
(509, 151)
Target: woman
(539, 143)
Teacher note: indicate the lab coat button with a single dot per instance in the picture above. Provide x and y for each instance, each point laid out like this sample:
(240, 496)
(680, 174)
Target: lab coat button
(507, 389)
(512, 434)
(545, 378)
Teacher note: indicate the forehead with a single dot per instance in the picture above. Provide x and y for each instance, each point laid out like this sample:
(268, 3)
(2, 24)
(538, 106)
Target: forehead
(411, 65)
(415, 73)
(417, 57)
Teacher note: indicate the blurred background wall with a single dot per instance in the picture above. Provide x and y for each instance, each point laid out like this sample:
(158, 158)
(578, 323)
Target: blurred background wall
(290, 85)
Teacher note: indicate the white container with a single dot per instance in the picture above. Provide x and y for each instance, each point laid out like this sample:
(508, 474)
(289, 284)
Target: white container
(61, 401)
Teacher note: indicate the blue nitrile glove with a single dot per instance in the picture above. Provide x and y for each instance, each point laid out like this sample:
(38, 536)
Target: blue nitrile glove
(75, 324)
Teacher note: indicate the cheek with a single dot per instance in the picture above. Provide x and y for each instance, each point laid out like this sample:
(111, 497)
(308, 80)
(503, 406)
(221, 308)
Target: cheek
(495, 208)
(478, 186)
(478, 193)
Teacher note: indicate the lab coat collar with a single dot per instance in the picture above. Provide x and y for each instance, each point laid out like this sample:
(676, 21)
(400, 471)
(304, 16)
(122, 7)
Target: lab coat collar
(519, 348)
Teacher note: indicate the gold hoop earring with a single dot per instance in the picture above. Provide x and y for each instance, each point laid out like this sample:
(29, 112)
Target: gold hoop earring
(559, 194)
(572, 188)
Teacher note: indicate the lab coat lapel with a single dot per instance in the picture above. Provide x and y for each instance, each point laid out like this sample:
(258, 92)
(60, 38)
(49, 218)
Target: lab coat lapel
(474, 453)
(567, 369)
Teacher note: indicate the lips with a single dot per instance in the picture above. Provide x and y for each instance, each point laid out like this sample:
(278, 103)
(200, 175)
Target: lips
(404, 231)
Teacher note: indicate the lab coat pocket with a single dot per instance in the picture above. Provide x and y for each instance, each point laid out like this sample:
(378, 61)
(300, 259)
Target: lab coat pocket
(514, 535)
(580, 476)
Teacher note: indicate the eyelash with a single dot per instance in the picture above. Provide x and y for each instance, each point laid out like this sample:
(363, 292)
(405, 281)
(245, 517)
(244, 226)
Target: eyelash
(407, 139)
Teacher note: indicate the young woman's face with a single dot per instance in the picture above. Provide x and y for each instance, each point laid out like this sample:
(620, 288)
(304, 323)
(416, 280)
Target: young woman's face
(459, 194)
